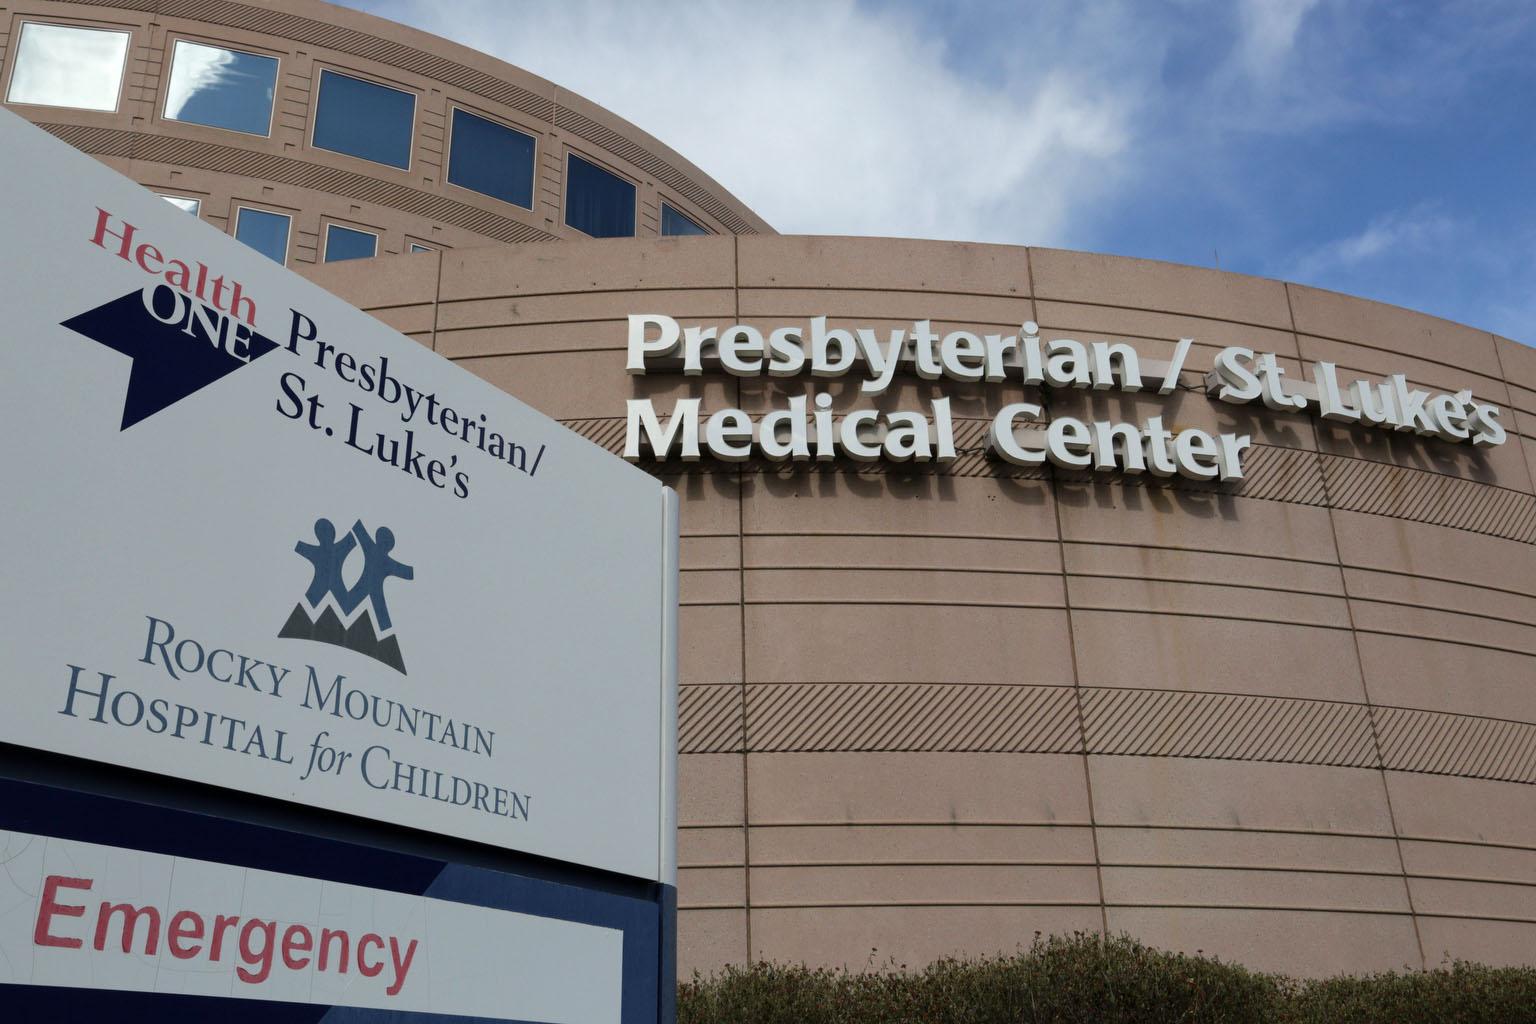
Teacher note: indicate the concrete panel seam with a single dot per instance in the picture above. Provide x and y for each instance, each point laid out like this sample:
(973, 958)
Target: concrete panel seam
(1521, 440)
(1365, 687)
(1164, 311)
(741, 636)
(437, 297)
(1066, 591)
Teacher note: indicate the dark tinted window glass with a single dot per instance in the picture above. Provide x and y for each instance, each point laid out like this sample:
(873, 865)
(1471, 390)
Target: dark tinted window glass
(597, 202)
(491, 159)
(265, 232)
(674, 223)
(221, 88)
(346, 244)
(363, 119)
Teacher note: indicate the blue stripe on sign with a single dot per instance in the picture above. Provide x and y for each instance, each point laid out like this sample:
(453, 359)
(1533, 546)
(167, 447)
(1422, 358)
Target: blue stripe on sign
(45, 1004)
(667, 964)
(107, 821)
(87, 818)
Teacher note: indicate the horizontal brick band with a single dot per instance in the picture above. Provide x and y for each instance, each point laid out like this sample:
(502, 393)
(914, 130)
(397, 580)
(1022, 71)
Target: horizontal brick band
(880, 716)
(1273, 473)
(1157, 723)
(1428, 497)
(1471, 747)
(1000, 718)
(709, 719)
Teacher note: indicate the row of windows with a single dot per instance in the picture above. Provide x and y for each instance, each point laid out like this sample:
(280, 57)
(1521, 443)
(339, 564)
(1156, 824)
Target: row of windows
(68, 66)
(268, 232)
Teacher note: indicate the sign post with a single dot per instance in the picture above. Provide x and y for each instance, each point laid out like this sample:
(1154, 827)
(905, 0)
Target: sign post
(265, 552)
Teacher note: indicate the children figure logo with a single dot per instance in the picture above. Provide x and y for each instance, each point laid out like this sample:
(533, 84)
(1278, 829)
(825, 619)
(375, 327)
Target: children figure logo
(355, 617)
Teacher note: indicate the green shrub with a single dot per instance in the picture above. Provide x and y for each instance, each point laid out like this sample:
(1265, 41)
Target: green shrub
(1088, 979)
(1465, 993)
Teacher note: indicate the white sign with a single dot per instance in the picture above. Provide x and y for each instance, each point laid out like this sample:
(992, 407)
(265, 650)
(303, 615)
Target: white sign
(256, 539)
(79, 915)
(807, 430)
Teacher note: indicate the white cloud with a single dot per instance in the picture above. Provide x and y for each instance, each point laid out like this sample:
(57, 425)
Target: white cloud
(1426, 259)
(828, 117)
(1512, 312)
(1147, 128)
(1268, 33)
(65, 66)
(195, 68)
(1421, 231)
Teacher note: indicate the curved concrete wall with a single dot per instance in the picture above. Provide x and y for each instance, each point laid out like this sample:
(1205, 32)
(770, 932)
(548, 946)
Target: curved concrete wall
(933, 711)
(285, 173)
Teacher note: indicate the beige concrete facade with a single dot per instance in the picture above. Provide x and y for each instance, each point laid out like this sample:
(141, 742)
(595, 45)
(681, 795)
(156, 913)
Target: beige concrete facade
(930, 711)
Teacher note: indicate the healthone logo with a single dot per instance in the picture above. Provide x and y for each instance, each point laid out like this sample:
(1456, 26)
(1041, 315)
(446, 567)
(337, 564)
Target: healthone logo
(186, 330)
(355, 617)
(178, 346)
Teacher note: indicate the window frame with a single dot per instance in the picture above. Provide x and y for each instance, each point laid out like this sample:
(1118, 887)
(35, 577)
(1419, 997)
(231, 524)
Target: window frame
(325, 238)
(533, 190)
(321, 70)
(277, 80)
(565, 193)
(234, 227)
(14, 53)
(663, 205)
(414, 248)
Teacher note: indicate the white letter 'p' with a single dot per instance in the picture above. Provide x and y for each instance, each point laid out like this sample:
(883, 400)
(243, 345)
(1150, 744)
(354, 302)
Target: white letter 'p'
(639, 347)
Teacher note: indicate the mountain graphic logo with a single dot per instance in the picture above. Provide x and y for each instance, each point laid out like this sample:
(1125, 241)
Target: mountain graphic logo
(355, 617)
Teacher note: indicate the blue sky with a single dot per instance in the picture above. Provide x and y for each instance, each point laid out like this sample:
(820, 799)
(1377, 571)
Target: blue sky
(1385, 149)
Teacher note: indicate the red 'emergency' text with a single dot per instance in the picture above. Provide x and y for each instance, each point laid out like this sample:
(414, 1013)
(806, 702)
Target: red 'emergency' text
(256, 946)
